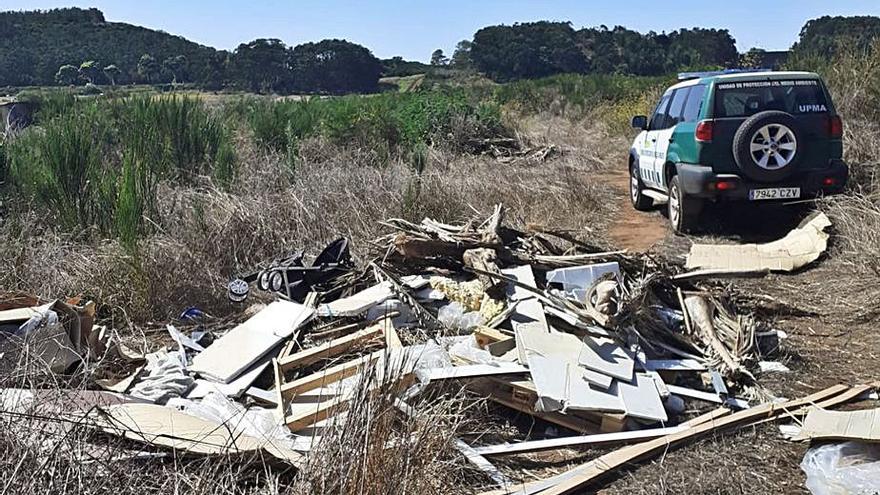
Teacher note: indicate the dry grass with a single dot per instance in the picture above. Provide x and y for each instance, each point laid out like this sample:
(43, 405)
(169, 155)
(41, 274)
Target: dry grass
(205, 235)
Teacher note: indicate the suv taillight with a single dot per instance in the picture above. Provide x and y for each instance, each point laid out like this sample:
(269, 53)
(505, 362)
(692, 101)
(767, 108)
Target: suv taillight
(705, 130)
(835, 127)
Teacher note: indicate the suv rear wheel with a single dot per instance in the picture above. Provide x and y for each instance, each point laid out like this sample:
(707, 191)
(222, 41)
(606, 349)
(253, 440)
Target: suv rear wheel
(638, 198)
(684, 211)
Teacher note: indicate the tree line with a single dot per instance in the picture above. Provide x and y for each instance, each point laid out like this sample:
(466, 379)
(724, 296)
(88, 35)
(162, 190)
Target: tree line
(73, 46)
(77, 46)
(539, 49)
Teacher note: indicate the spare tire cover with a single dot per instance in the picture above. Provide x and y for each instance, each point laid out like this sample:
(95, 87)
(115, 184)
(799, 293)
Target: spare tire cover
(768, 146)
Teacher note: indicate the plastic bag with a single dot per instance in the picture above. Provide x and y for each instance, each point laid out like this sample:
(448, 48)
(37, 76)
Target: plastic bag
(843, 468)
(454, 315)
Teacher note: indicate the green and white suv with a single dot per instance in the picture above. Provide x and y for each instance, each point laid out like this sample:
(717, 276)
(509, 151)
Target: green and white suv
(747, 136)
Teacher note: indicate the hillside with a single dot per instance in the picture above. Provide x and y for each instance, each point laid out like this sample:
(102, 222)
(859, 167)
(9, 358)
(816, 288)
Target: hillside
(34, 45)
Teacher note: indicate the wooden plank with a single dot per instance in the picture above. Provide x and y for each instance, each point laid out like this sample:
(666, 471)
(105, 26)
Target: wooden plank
(279, 397)
(392, 339)
(592, 470)
(485, 336)
(326, 408)
(482, 463)
(674, 365)
(515, 396)
(358, 303)
(326, 376)
(541, 485)
(332, 348)
(557, 443)
(707, 396)
(319, 412)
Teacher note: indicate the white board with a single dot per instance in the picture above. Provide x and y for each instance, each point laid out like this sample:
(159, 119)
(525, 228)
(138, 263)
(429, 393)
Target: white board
(234, 353)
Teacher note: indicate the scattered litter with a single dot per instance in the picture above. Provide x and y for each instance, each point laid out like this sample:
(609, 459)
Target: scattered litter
(602, 347)
(166, 378)
(772, 367)
(842, 468)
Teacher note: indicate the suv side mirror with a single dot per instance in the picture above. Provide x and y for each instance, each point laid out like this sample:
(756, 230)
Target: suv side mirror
(640, 122)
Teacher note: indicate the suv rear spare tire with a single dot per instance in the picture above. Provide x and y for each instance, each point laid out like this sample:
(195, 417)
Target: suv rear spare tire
(684, 211)
(765, 146)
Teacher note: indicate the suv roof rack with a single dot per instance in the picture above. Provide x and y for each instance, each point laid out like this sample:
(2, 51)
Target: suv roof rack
(685, 76)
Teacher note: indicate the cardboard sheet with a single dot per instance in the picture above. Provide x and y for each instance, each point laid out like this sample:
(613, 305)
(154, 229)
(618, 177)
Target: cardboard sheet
(168, 427)
(799, 248)
(822, 424)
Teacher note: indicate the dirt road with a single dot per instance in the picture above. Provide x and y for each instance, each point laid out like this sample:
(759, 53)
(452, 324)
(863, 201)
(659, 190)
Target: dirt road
(633, 230)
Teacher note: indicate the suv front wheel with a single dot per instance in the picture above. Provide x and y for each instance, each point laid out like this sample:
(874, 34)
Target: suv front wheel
(684, 211)
(638, 198)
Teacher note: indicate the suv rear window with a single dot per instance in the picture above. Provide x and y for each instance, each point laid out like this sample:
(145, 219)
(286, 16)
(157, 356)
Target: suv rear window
(743, 99)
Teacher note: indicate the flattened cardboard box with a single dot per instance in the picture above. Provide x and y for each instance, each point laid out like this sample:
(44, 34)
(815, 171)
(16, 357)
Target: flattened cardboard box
(799, 248)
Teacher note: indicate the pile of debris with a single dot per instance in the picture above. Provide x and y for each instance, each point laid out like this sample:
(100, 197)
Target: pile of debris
(603, 344)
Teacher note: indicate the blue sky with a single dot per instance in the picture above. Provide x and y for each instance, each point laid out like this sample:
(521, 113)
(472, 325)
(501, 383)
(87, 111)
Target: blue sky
(415, 28)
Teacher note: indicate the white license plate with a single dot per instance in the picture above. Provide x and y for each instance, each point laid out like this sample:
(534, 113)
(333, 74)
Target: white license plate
(775, 193)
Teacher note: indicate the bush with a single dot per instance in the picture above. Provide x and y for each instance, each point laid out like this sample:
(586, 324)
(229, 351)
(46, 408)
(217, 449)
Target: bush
(391, 122)
(572, 94)
(96, 163)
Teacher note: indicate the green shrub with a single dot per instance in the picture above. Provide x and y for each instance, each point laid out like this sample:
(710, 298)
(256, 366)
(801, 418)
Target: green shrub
(96, 163)
(61, 167)
(389, 122)
(573, 94)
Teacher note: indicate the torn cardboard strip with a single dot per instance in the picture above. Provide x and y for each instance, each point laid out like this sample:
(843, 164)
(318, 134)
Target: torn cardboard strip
(799, 248)
(822, 424)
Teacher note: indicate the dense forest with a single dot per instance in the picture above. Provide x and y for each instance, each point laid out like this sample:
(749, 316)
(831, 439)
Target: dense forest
(77, 46)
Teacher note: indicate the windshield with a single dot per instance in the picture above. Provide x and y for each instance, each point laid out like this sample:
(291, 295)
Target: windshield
(743, 99)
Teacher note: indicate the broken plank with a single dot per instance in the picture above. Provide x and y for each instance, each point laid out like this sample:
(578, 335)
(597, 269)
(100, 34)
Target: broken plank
(485, 336)
(541, 485)
(357, 303)
(326, 376)
(332, 348)
(320, 411)
(592, 470)
(392, 339)
(557, 443)
(520, 395)
(241, 347)
(482, 463)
